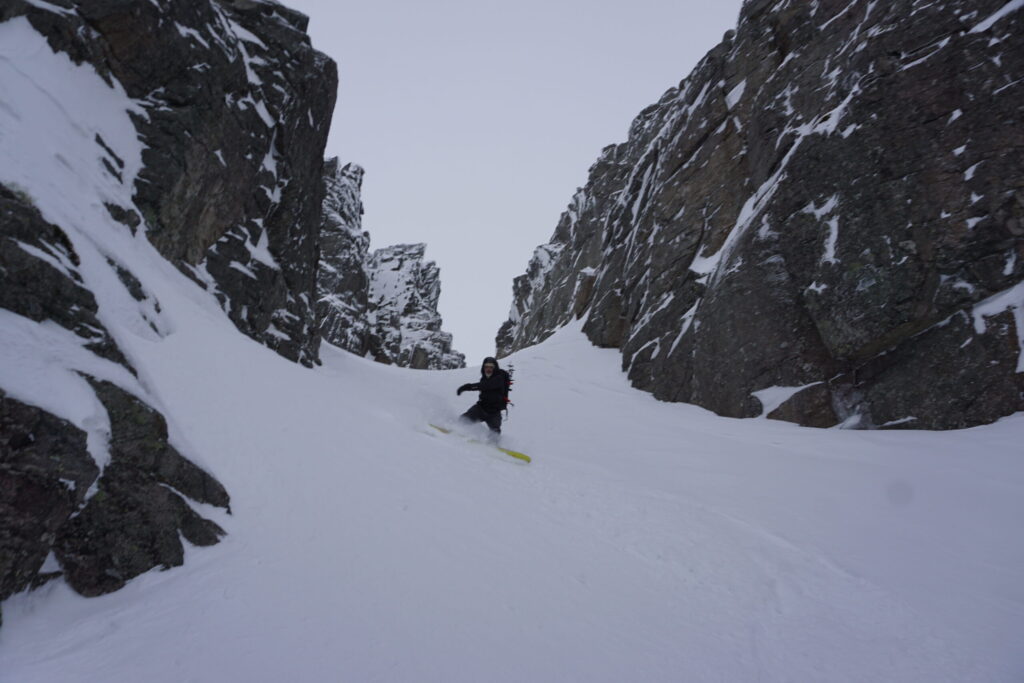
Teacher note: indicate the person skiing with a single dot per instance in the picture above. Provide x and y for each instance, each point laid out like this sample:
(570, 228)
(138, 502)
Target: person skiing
(493, 387)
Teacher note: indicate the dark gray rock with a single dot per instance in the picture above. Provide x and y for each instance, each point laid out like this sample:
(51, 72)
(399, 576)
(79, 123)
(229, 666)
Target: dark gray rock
(833, 197)
(381, 304)
(811, 407)
(137, 517)
(45, 471)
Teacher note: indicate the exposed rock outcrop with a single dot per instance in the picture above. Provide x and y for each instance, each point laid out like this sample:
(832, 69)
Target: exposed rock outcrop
(137, 517)
(103, 525)
(381, 304)
(823, 222)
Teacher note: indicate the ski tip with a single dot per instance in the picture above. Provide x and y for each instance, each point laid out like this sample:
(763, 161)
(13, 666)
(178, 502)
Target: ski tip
(440, 429)
(515, 454)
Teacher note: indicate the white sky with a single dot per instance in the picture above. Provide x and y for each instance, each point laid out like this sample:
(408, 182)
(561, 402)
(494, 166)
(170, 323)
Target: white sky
(477, 120)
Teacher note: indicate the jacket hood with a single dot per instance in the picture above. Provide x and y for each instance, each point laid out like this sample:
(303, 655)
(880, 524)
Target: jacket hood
(489, 360)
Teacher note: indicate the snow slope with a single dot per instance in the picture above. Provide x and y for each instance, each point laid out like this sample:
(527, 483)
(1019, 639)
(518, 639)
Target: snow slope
(646, 542)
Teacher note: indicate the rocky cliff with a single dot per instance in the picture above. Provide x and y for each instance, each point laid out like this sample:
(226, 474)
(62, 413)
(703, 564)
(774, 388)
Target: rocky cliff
(239, 106)
(194, 127)
(403, 309)
(823, 223)
(342, 281)
(381, 304)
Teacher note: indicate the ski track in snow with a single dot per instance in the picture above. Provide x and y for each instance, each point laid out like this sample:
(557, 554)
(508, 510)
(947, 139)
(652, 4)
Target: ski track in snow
(646, 542)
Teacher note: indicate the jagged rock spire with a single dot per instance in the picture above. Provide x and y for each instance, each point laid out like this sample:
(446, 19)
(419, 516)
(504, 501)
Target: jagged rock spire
(381, 304)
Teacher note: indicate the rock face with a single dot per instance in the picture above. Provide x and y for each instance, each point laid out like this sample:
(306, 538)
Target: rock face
(824, 222)
(239, 106)
(234, 110)
(381, 304)
(342, 281)
(232, 106)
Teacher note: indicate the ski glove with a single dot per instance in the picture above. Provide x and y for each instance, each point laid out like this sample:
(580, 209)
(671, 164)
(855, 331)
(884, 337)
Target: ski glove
(464, 387)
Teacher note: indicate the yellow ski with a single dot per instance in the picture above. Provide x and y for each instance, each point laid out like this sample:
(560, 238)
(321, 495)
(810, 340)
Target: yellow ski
(507, 451)
(515, 454)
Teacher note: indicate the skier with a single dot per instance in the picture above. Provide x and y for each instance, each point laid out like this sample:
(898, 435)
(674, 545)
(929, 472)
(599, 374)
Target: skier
(493, 387)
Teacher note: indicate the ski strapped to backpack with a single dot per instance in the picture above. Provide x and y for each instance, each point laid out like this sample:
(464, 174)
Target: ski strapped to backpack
(508, 388)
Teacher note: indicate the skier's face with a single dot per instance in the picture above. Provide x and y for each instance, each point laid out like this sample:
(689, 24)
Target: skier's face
(488, 369)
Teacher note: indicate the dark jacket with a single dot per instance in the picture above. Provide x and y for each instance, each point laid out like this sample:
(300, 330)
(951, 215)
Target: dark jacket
(493, 390)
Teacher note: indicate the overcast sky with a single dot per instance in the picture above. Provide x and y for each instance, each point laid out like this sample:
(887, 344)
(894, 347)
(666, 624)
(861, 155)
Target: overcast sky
(477, 120)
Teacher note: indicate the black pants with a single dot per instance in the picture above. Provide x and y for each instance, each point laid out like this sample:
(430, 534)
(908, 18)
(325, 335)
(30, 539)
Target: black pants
(479, 414)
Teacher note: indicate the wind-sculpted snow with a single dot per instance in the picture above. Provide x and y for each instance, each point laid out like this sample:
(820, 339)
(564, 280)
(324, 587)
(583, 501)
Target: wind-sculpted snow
(831, 203)
(381, 304)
